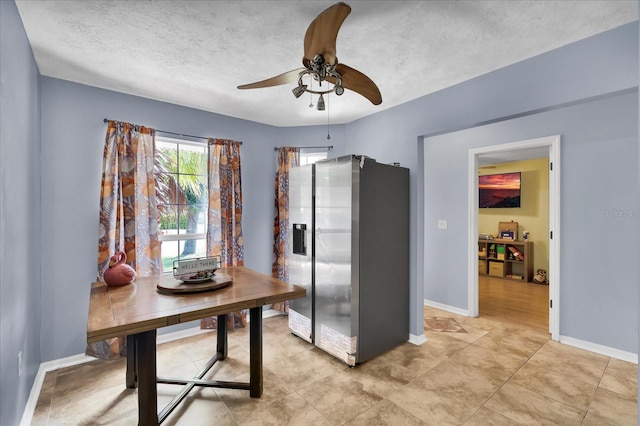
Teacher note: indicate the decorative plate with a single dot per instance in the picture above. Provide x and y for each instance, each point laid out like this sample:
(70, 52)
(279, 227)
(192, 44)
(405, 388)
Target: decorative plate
(196, 278)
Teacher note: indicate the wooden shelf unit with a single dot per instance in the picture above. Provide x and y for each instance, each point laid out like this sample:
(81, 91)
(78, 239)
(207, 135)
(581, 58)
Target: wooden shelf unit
(497, 258)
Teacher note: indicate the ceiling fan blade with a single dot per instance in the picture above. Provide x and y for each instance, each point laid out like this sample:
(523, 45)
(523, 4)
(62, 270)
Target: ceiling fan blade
(320, 38)
(353, 79)
(284, 78)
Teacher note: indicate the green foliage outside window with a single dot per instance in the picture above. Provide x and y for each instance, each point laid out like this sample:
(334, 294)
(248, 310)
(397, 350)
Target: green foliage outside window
(181, 190)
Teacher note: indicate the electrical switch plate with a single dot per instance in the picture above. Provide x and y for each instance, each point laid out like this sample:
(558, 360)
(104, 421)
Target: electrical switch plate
(442, 224)
(19, 363)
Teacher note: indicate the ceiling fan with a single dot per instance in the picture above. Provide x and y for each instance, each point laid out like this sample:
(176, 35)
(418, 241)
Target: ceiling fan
(321, 63)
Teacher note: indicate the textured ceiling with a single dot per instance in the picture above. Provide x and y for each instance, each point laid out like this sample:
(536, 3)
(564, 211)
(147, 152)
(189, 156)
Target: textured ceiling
(195, 53)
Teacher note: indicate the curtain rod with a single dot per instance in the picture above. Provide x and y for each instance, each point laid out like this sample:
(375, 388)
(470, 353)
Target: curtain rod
(175, 134)
(328, 147)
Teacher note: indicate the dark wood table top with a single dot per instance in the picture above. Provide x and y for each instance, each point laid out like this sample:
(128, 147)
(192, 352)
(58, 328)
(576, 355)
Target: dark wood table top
(139, 307)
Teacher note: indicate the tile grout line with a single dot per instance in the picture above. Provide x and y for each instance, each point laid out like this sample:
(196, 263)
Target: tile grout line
(595, 391)
(501, 386)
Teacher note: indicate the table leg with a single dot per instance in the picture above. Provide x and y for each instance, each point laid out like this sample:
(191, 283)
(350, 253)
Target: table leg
(145, 343)
(132, 374)
(221, 330)
(255, 352)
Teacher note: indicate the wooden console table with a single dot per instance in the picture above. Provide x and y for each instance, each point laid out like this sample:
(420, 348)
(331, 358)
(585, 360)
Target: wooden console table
(137, 310)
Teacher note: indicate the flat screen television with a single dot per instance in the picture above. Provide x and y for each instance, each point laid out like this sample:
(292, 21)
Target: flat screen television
(499, 190)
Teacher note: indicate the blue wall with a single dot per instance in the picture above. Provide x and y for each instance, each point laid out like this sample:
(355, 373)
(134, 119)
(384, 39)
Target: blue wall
(599, 274)
(49, 213)
(73, 135)
(571, 74)
(19, 215)
(593, 67)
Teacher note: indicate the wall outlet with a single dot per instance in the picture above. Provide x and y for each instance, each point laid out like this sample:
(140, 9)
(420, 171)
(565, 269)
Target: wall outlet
(19, 363)
(442, 224)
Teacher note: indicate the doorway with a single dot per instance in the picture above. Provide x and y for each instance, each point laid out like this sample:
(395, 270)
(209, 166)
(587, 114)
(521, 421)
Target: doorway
(548, 147)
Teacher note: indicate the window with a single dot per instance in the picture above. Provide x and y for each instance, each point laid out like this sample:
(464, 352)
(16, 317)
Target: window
(308, 157)
(182, 198)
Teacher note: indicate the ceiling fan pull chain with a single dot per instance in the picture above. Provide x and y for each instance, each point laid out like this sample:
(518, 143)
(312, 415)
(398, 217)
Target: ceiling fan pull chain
(328, 135)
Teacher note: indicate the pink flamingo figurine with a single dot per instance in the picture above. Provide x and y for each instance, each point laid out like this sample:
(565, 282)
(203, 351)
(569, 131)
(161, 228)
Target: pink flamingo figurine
(119, 273)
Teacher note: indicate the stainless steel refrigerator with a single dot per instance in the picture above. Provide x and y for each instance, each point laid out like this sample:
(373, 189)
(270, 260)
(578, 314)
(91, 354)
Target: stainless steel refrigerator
(349, 243)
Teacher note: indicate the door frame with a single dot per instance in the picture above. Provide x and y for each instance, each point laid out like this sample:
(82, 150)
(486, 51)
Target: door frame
(553, 144)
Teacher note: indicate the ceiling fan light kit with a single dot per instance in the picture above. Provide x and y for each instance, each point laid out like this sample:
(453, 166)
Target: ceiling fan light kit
(299, 90)
(320, 103)
(321, 63)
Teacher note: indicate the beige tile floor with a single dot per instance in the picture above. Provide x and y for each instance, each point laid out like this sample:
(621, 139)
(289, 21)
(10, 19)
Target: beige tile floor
(492, 374)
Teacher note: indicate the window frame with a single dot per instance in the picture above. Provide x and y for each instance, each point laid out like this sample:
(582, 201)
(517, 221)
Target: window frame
(308, 153)
(181, 237)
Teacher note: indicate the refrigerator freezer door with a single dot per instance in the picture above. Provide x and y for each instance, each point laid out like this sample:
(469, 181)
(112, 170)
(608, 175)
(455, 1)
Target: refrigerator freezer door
(301, 251)
(383, 259)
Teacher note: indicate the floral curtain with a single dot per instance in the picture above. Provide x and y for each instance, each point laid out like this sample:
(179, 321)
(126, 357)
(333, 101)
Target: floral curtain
(287, 157)
(224, 227)
(128, 213)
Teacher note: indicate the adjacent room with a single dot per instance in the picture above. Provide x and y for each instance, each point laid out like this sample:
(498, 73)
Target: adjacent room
(512, 260)
(207, 218)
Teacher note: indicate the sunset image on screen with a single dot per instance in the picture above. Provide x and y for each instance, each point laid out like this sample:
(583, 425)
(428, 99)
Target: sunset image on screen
(499, 190)
(500, 181)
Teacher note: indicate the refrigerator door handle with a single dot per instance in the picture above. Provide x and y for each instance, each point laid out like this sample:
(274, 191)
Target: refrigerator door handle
(300, 239)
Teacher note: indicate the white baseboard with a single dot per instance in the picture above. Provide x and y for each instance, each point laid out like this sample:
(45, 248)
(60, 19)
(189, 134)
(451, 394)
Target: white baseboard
(56, 364)
(70, 361)
(194, 331)
(27, 415)
(600, 349)
(268, 313)
(569, 341)
(417, 339)
(45, 367)
(181, 334)
(447, 308)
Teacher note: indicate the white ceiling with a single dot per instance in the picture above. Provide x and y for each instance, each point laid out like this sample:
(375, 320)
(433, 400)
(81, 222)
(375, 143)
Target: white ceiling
(487, 160)
(195, 53)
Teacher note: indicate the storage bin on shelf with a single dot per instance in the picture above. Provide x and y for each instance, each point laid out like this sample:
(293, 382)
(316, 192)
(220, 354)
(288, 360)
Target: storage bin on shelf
(496, 269)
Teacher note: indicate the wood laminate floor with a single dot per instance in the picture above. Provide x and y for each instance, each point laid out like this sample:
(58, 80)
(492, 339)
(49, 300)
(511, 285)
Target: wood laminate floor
(526, 304)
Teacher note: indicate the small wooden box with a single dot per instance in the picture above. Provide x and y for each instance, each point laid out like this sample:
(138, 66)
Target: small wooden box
(496, 269)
